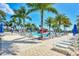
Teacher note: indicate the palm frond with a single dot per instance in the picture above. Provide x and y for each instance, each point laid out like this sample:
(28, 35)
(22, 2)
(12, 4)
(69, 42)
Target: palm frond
(28, 17)
(53, 10)
(31, 10)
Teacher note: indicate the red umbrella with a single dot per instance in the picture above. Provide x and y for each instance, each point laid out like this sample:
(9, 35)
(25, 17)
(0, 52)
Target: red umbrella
(42, 30)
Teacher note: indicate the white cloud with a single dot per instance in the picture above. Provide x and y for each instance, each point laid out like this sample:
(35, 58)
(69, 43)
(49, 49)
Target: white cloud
(6, 8)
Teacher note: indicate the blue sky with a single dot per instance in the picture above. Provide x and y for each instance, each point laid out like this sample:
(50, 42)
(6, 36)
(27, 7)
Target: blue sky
(69, 9)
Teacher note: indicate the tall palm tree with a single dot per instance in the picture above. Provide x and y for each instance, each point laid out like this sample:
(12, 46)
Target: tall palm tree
(48, 22)
(78, 25)
(2, 16)
(22, 15)
(16, 18)
(59, 19)
(15, 23)
(41, 7)
(62, 20)
(54, 25)
(78, 22)
(66, 22)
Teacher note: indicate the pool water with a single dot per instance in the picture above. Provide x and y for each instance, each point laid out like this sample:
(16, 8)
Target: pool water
(39, 34)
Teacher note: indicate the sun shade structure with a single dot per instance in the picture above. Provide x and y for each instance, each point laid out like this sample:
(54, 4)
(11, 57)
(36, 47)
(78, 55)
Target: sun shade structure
(75, 30)
(42, 30)
(1, 28)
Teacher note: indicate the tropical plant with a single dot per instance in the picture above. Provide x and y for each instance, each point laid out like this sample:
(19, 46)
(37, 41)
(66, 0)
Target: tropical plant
(20, 16)
(66, 22)
(78, 22)
(62, 20)
(78, 25)
(48, 22)
(54, 26)
(32, 26)
(23, 14)
(2, 16)
(59, 19)
(41, 7)
(8, 25)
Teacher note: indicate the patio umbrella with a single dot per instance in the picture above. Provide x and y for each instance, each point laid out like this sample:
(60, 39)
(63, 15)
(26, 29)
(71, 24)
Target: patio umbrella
(42, 30)
(75, 30)
(1, 28)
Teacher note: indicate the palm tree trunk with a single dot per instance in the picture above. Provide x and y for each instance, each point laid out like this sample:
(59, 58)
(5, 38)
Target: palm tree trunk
(14, 27)
(49, 31)
(55, 32)
(42, 12)
(59, 28)
(24, 25)
(64, 30)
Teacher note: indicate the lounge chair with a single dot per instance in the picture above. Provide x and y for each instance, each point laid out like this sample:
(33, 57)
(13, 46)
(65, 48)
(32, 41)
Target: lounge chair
(1, 34)
(65, 47)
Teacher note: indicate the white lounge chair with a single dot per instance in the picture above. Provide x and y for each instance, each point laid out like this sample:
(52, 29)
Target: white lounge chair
(65, 46)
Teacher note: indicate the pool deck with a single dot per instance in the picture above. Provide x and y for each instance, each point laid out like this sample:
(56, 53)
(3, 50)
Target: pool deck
(23, 46)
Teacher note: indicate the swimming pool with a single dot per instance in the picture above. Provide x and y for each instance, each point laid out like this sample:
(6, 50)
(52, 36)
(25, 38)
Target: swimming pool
(39, 34)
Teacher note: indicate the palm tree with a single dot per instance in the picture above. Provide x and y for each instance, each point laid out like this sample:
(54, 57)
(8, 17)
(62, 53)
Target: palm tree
(2, 16)
(66, 22)
(22, 15)
(32, 26)
(59, 19)
(62, 20)
(14, 23)
(28, 25)
(48, 22)
(16, 18)
(78, 22)
(41, 7)
(8, 25)
(78, 25)
(54, 25)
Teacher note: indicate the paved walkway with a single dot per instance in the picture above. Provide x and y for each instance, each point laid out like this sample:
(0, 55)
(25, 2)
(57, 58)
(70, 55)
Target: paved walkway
(40, 51)
(24, 47)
